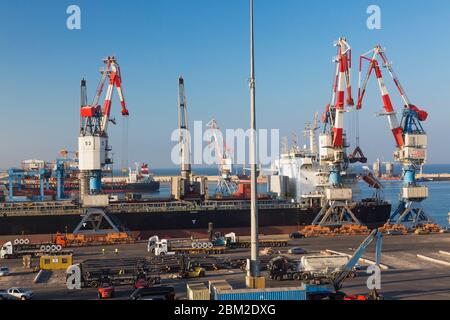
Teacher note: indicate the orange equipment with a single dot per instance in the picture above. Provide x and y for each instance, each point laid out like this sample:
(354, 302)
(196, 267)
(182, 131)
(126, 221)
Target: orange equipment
(106, 290)
(70, 239)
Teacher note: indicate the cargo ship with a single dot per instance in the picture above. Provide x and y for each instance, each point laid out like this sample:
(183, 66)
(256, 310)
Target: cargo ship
(293, 199)
(145, 218)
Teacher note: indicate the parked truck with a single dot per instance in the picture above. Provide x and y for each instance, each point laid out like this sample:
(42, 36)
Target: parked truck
(21, 247)
(307, 268)
(161, 247)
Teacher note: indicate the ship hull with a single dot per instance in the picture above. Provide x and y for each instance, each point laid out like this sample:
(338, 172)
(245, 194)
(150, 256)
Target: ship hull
(142, 224)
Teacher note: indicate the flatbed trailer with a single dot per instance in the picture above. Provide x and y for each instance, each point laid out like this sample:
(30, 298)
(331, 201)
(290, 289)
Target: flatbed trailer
(118, 271)
(233, 241)
(262, 244)
(9, 250)
(196, 251)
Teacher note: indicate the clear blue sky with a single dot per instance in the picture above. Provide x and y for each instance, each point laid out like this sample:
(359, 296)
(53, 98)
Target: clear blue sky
(42, 63)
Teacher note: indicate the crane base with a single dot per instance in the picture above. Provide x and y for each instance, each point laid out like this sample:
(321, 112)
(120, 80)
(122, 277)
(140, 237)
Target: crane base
(335, 213)
(96, 221)
(410, 214)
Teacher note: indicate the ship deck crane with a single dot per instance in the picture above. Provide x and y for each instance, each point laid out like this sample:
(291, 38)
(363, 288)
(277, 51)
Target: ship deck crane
(225, 185)
(93, 144)
(410, 139)
(332, 144)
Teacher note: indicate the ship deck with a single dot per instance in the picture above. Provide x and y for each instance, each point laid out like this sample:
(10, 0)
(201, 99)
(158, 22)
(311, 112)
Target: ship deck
(69, 208)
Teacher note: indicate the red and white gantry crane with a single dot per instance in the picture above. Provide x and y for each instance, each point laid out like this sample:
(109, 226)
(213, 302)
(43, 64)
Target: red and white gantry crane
(409, 135)
(93, 144)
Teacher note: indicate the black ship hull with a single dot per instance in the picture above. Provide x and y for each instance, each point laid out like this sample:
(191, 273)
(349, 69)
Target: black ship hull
(372, 215)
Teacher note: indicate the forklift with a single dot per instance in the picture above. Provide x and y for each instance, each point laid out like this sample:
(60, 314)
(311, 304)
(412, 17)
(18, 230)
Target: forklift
(187, 270)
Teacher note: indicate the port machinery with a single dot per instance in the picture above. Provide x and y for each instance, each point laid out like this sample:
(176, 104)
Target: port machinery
(225, 184)
(410, 138)
(332, 145)
(186, 186)
(93, 143)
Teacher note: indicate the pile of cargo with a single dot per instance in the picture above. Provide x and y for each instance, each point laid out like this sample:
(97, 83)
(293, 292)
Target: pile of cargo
(347, 229)
(316, 231)
(353, 229)
(428, 228)
(394, 228)
(70, 239)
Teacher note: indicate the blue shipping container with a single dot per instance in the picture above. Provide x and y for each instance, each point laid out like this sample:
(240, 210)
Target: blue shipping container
(261, 294)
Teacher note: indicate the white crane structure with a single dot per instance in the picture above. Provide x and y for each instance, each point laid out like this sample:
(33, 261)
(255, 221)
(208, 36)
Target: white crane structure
(183, 131)
(185, 187)
(225, 184)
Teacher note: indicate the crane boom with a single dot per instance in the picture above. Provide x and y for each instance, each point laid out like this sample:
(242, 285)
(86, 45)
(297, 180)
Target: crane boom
(339, 276)
(341, 84)
(115, 79)
(183, 131)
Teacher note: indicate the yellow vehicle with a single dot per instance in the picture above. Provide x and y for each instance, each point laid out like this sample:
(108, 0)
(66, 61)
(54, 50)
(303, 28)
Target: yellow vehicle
(187, 270)
(197, 272)
(55, 262)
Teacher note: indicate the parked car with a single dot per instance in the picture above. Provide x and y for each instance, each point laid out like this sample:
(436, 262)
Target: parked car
(16, 293)
(296, 235)
(394, 233)
(297, 250)
(4, 271)
(153, 293)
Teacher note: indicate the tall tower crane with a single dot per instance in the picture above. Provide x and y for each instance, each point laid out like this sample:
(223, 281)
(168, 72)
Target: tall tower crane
(332, 144)
(409, 135)
(225, 185)
(93, 145)
(184, 187)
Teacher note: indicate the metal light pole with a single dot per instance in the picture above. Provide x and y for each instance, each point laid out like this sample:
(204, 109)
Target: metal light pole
(253, 276)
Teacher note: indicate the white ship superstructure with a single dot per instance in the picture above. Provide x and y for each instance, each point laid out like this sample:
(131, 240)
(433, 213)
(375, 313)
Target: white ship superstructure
(299, 174)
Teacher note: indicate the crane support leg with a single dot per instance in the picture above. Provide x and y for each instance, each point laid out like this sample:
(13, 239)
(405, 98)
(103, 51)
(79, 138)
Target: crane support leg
(410, 213)
(335, 213)
(96, 221)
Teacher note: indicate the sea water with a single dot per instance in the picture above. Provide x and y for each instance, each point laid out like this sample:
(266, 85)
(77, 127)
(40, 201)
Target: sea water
(437, 205)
